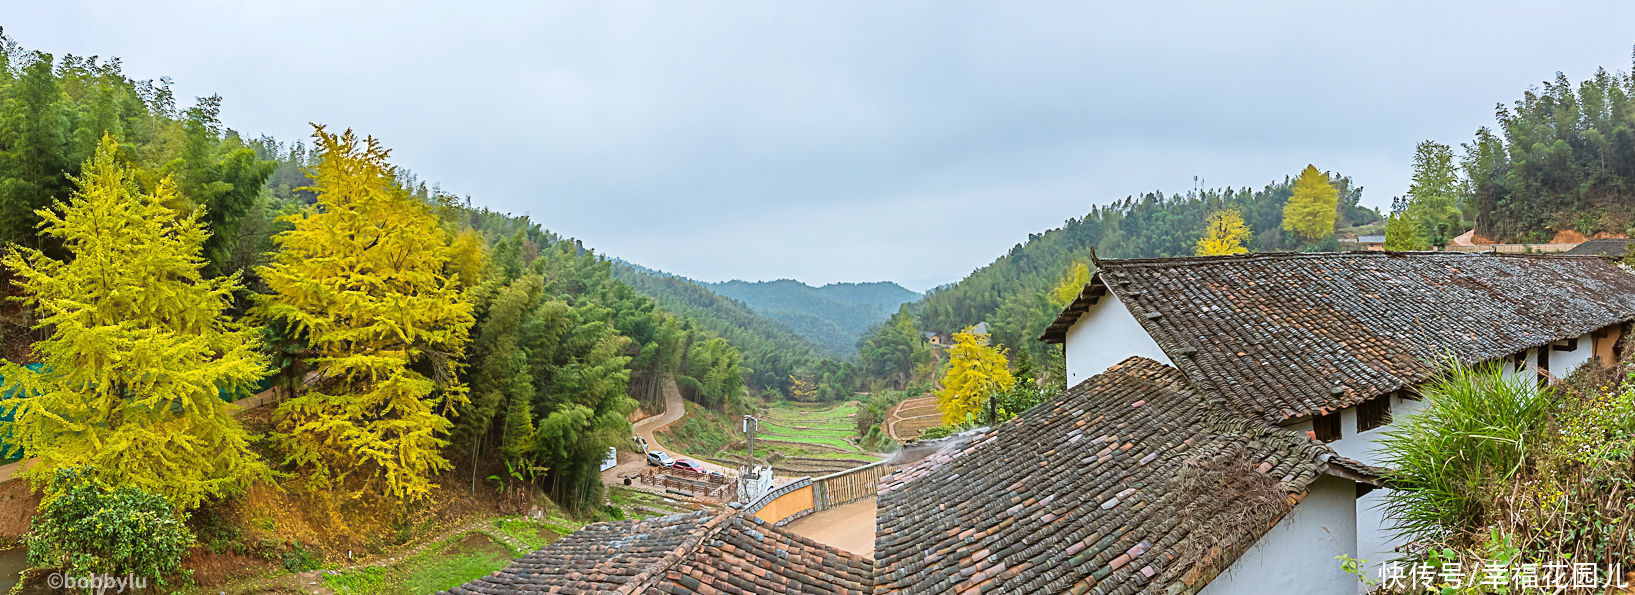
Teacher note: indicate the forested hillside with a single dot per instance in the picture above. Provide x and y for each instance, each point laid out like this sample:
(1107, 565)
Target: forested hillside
(1011, 294)
(834, 315)
(1561, 158)
(773, 351)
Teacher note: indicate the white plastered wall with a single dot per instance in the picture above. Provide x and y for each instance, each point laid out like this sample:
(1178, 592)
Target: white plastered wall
(1298, 554)
(1104, 335)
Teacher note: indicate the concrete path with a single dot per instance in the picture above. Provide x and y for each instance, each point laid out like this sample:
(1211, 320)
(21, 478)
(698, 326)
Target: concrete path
(849, 527)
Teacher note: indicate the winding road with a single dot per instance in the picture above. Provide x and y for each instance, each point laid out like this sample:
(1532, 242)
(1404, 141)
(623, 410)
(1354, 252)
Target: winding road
(674, 409)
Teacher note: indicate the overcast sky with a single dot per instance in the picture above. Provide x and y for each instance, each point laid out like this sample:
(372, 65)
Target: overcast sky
(832, 141)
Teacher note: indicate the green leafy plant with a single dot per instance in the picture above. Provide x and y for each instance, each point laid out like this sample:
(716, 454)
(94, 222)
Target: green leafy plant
(1355, 567)
(300, 558)
(1475, 429)
(84, 527)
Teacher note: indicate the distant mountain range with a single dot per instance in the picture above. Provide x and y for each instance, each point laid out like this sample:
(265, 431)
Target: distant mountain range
(833, 315)
(787, 312)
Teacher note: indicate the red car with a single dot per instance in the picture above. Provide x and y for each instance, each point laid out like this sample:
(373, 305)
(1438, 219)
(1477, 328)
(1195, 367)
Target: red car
(689, 466)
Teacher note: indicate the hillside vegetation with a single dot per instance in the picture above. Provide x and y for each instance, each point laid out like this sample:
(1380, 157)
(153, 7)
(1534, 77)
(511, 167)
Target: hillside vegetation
(437, 361)
(1011, 294)
(1561, 158)
(773, 352)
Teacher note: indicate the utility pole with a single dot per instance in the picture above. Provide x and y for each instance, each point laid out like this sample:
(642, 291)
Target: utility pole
(750, 425)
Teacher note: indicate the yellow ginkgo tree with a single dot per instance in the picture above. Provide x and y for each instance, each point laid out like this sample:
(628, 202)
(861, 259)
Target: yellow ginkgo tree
(1224, 233)
(976, 372)
(1072, 282)
(365, 279)
(140, 347)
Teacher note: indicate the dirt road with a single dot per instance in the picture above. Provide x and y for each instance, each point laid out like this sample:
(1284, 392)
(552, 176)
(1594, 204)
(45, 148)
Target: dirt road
(849, 527)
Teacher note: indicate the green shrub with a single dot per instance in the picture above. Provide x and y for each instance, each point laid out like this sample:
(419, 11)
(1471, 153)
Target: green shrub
(1470, 439)
(937, 432)
(300, 558)
(85, 528)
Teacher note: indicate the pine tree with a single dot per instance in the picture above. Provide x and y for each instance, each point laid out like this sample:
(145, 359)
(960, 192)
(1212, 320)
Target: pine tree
(976, 372)
(140, 348)
(1312, 208)
(362, 278)
(1225, 233)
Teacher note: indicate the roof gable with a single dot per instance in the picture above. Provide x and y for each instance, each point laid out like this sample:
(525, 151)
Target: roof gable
(1289, 335)
(1116, 484)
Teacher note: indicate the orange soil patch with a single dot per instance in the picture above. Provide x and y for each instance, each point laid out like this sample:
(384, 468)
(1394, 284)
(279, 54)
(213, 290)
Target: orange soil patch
(1568, 236)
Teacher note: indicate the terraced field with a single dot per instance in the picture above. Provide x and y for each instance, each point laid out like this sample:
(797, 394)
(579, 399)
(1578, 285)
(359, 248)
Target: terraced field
(798, 439)
(905, 421)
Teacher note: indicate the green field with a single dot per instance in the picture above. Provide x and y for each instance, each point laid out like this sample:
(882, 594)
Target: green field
(799, 438)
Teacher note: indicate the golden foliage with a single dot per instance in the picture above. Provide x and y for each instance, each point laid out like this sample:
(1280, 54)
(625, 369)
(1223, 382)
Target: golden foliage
(364, 278)
(1312, 208)
(140, 346)
(976, 372)
(468, 257)
(801, 389)
(1073, 282)
(1225, 233)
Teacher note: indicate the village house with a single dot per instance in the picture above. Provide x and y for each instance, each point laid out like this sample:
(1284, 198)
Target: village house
(1131, 481)
(1333, 344)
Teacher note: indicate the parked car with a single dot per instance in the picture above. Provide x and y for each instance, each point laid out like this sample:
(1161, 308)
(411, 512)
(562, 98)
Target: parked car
(656, 458)
(689, 466)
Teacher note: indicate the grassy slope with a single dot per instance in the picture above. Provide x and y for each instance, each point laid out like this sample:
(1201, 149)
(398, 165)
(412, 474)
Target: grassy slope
(456, 559)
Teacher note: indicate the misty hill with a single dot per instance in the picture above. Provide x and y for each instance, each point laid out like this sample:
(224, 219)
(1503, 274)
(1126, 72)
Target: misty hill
(833, 315)
(771, 349)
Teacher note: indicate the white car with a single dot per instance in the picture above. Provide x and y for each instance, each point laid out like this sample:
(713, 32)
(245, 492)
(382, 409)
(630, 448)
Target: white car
(657, 458)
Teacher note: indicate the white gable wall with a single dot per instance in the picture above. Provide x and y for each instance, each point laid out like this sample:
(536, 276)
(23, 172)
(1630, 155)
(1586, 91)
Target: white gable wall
(1297, 555)
(1104, 335)
(1562, 362)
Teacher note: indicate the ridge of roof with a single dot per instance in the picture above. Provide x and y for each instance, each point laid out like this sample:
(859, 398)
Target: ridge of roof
(1291, 335)
(1368, 254)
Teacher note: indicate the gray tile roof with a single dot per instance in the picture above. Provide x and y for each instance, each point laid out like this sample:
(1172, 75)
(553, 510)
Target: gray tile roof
(1610, 247)
(1289, 335)
(697, 552)
(1128, 482)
